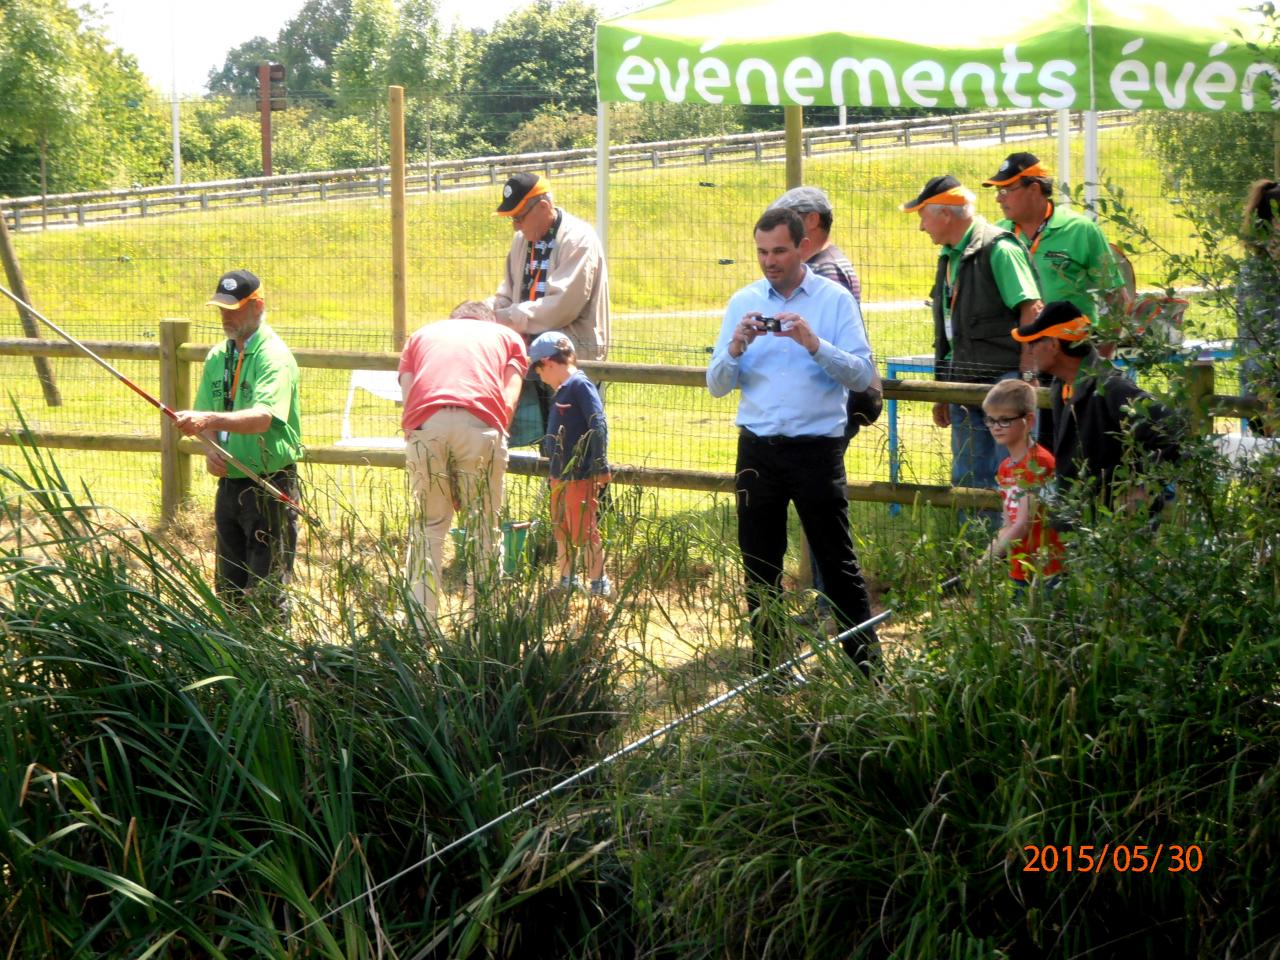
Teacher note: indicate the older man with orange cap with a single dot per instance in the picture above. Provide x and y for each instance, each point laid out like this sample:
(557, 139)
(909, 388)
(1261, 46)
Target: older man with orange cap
(555, 276)
(984, 286)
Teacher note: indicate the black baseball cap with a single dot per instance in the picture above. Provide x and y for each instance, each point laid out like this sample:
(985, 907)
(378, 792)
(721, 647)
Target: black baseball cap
(235, 289)
(518, 191)
(1061, 319)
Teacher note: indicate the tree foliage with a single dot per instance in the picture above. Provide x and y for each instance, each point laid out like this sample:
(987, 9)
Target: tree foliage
(540, 58)
(75, 113)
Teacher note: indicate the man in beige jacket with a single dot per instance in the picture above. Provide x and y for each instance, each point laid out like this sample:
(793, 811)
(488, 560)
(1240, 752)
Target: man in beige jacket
(554, 279)
(555, 276)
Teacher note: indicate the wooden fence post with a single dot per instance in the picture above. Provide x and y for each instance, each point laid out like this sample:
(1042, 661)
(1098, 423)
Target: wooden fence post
(399, 297)
(175, 390)
(1199, 390)
(13, 272)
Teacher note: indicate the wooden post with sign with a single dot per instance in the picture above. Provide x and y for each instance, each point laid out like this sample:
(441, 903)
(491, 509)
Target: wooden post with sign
(271, 96)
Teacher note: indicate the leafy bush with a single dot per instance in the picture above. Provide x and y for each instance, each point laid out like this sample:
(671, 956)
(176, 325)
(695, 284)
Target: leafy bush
(1135, 705)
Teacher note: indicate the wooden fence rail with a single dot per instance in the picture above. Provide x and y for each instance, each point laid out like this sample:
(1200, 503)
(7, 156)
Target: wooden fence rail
(97, 206)
(177, 358)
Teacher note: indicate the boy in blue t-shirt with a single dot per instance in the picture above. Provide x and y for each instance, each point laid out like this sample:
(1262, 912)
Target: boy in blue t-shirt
(577, 444)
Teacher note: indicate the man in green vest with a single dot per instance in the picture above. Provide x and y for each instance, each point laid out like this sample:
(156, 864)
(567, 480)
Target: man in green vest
(247, 402)
(984, 280)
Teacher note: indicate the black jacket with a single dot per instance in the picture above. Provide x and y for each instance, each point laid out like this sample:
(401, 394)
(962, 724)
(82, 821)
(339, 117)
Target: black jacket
(980, 349)
(1091, 428)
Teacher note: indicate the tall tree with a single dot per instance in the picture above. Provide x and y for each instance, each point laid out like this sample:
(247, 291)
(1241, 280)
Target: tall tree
(238, 75)
(360, 62)
(75, 112)
(43, 89)
(419, 53)
(539, 57)
(307, 45)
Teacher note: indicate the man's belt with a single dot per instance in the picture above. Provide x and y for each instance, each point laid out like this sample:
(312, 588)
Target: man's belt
(778, 440)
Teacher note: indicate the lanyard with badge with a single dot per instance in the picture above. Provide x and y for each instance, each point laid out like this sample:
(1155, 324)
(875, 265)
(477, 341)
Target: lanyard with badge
(1035, 237)
(230, 384)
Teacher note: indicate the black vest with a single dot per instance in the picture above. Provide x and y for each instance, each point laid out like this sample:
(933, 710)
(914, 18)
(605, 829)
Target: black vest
(981, 348)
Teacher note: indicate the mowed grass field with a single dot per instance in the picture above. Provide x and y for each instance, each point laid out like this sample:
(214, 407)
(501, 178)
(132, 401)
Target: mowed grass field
(679, 242)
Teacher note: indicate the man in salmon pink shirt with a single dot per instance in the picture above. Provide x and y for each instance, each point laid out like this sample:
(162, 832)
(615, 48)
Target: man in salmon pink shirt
(460, 379)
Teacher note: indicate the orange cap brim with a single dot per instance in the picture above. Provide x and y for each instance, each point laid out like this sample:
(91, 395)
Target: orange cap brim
(1035, 170)
(1074, 330)
(955, 197)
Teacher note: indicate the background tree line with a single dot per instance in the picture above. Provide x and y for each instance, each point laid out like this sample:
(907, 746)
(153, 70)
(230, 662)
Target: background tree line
(76, 113)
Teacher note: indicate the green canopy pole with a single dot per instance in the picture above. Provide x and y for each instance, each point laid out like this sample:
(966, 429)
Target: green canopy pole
(602, 176)
(795, 162)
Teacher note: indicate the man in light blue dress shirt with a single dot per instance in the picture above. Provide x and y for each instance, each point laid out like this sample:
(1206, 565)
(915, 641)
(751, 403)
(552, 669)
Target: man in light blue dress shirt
(794, 346)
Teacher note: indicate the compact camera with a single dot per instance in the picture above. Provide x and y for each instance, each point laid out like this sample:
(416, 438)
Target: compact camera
(771, 324)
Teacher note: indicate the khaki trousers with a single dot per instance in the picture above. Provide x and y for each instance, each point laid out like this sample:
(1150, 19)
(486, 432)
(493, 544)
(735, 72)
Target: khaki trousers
(455, 461)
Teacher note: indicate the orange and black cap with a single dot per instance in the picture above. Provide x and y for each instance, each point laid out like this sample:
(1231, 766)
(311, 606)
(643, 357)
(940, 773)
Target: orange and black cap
(1062, 320)
(235, 289)
(1014, 168)
(945, 190)
(519, 191)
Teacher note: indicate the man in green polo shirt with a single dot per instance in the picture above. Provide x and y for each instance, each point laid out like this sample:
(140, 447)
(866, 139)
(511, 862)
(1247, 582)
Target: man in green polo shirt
(1071, 255)
(248, 402)
(983, 281)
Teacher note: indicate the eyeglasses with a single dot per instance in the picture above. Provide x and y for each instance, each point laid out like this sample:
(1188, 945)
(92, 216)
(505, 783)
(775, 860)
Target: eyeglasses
(517, 220)
(1004, 423)
(1005, 191)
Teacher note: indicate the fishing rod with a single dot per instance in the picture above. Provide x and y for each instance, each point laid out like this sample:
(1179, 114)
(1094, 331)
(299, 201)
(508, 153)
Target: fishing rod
(632, 747)
(211, 445)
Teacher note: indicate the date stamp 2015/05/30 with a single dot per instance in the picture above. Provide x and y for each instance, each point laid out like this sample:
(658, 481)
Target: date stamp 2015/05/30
(1118, 858)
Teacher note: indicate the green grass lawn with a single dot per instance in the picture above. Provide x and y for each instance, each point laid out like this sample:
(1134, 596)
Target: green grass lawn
(679, 244)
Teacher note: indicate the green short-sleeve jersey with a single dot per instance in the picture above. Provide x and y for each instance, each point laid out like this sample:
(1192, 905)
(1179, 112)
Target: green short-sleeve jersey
(268, 381)
(1074, 260)
(1014, 276)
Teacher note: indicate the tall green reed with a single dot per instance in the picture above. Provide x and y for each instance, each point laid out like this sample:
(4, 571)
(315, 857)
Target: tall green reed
(183, 780)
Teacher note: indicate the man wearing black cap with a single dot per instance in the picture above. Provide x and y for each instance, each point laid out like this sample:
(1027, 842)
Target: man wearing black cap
(984, 285)
(828, 260)
(1072, 257)
(1096, 409)
(247, 402)
(555, 279)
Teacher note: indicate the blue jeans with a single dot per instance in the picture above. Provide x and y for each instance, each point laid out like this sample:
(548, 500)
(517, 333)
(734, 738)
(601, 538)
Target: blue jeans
(975, 455)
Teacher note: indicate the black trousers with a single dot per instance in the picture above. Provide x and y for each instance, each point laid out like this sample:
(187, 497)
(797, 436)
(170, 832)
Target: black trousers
(257, 537)
(809, 472)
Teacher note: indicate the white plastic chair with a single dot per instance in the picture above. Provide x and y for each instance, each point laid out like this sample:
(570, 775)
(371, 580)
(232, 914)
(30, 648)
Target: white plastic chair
(1245, 449)
(383, 384)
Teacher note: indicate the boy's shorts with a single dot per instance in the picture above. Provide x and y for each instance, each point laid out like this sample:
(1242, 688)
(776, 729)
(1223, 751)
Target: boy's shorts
(574, 506)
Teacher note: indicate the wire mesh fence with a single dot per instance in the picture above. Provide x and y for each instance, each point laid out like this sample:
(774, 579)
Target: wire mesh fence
(679, 244)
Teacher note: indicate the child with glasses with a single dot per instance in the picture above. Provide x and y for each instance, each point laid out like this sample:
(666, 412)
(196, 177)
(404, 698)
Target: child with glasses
(1031, 544)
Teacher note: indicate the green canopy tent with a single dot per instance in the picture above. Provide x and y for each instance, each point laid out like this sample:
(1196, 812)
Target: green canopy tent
(1085, 55)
